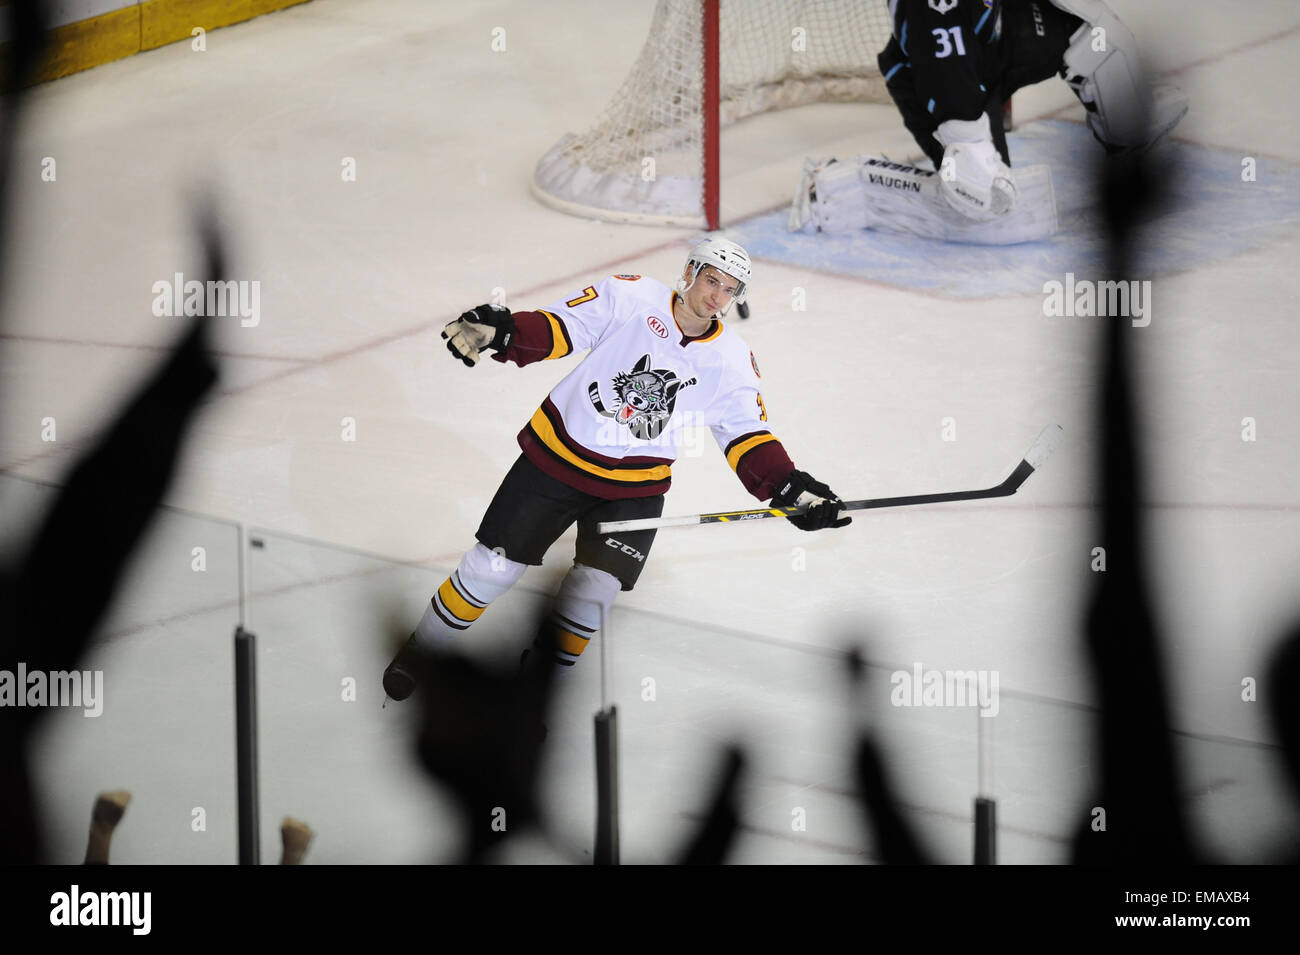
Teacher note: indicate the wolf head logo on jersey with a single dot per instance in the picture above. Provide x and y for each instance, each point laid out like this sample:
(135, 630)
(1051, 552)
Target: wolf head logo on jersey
(646, 398)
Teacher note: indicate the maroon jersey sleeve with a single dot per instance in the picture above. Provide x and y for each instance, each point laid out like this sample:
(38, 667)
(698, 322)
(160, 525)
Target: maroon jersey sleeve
(539, 336)
(760, 462)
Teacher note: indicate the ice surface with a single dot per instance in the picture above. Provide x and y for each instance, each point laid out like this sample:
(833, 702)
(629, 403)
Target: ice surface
(738, 627)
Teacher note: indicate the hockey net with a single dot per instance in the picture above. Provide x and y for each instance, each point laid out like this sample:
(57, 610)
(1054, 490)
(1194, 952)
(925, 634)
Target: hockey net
(648, 158)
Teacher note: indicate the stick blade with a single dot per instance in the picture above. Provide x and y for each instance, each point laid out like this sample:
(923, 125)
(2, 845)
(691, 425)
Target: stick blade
(1044, 445)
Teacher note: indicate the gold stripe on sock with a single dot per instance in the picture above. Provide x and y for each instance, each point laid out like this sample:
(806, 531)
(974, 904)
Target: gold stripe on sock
(567, 641)
(457, 605)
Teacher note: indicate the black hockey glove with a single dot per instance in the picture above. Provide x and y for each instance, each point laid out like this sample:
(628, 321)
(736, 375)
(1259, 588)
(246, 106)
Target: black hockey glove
(802, 488)
(485, 326)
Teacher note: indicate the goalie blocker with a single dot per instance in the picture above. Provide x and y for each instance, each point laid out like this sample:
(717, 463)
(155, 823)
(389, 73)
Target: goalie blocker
(870, 192)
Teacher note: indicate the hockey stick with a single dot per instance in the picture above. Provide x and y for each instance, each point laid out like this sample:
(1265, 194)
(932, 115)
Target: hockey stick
(1038, 452)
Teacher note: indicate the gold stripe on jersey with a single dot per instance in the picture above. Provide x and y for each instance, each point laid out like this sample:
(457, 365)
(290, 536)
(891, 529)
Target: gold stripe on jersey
(560, 344)
(672, 305)
(744, 447)
(456, 605)
(542, 427)
(708, 338)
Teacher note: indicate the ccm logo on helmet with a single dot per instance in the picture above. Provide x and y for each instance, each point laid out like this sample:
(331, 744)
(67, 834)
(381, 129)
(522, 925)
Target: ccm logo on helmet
(657, 326)
(620, 546)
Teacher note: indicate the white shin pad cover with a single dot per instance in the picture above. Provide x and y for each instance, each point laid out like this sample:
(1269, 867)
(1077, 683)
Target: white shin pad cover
(581, 608)
(488, 574)
(480, 578)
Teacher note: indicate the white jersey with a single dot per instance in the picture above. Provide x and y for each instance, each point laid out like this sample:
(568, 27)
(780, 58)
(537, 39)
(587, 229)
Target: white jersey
(615, 424)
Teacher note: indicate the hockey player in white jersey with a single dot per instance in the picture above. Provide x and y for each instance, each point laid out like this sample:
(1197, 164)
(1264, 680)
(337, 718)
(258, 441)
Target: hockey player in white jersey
(949, 67)
(602, 444)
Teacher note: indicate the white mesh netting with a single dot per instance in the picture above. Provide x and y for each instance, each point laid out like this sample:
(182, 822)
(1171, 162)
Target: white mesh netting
(643, 160)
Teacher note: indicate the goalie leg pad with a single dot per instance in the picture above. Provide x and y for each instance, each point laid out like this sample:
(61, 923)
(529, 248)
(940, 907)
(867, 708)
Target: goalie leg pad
(829, 195)
(1102, 65)
(895, 197)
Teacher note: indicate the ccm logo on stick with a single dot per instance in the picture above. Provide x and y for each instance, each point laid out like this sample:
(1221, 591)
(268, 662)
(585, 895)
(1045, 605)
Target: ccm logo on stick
(630, 551)
(657, 326)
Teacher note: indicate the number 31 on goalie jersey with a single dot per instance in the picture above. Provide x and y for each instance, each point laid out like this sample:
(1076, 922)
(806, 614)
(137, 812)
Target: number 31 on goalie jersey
(946, 45)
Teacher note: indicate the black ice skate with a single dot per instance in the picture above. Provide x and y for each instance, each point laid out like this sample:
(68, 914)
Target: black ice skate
(399, 677)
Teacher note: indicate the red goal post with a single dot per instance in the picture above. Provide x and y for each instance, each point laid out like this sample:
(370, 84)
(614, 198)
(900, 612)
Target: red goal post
(654, 155)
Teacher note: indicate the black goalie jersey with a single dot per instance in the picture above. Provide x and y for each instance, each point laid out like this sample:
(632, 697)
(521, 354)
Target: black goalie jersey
(949, 51)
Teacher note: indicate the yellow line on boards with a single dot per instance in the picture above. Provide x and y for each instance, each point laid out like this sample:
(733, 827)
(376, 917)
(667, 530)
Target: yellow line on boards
(166, 21)
(117, 34)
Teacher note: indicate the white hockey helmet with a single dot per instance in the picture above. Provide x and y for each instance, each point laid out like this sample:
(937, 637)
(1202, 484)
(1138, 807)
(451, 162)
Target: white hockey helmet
(725, 256)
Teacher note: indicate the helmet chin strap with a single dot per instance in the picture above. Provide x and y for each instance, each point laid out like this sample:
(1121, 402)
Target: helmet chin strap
(683, 286)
